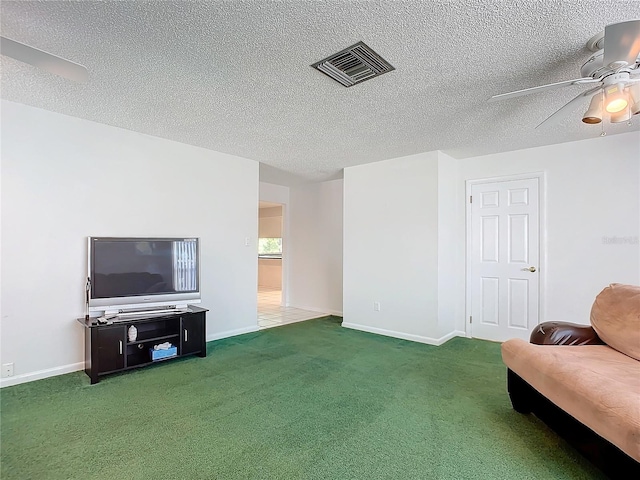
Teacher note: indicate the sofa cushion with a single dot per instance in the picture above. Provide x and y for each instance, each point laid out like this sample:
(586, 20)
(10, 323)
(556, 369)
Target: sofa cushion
(595, 384)
(615, 316)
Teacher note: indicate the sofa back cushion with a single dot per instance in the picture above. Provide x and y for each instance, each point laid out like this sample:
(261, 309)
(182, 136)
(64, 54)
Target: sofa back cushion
(615, 316)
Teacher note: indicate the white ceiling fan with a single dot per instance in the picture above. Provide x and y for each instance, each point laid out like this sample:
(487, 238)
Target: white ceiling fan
(44, 60)
(614, 69)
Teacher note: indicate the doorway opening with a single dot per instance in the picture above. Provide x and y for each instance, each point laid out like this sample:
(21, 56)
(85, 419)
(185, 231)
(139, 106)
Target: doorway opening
(273, 310)
(270, 253)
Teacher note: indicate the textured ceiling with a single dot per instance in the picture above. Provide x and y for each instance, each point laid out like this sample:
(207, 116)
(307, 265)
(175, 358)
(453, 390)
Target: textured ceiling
(235, 76)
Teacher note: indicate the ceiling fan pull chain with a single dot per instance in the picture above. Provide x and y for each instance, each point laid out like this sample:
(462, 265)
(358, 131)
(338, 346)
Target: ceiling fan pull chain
(602, 132)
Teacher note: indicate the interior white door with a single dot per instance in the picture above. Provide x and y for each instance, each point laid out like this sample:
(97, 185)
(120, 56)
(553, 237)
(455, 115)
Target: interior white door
(504, 259)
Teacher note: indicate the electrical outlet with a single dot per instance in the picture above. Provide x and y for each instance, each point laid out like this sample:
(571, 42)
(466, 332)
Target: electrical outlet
(7, 370)
(376, 306)
(247, 241)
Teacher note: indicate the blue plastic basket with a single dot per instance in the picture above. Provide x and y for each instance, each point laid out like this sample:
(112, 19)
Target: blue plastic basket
(160, 354)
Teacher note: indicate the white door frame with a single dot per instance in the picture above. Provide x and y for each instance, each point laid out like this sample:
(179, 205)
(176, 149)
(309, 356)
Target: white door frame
(542, 244)
(284, 296)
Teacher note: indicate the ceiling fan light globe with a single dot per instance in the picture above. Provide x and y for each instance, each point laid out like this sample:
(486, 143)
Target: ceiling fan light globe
(615, 98)
(594, 114)
(620, 117)
(591, 120)
(634, 97)
(616, 105)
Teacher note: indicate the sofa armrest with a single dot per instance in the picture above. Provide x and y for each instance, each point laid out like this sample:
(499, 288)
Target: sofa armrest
(564, 333)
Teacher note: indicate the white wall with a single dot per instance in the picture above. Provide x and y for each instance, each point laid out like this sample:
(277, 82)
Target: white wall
(391, 247)
(592, 193)
(451, 241)
(64, 179)
(274, 193)
(404, 233)
(315, 247)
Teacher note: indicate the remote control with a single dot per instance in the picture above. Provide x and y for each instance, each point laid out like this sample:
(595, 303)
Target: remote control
(104, 321)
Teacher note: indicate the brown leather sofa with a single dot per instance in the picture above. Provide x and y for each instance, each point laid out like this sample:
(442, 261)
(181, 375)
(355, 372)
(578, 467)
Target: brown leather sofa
(584, 381)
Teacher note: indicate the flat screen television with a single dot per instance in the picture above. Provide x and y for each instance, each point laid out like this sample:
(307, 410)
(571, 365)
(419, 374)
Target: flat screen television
(135, 274)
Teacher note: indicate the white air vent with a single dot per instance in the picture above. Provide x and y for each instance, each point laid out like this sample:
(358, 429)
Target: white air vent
(354, 65)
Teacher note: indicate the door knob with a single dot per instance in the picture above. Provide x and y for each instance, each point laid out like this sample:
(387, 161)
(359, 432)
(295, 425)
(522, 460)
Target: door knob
(530, 269)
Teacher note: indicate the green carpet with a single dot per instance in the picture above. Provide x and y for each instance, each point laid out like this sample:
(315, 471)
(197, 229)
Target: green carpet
(309, 400)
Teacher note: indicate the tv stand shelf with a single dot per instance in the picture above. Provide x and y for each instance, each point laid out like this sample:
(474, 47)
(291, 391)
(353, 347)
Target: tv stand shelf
(108, 349)
(158, 339)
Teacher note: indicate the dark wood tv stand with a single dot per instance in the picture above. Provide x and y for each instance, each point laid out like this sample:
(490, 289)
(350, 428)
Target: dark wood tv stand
(107, 348)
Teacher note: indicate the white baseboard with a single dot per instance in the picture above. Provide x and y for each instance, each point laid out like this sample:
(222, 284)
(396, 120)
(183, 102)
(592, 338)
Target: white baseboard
(40, 374)
(404, 336)
(326, 311)
(74, 367)
(461, 333)
(232, 333)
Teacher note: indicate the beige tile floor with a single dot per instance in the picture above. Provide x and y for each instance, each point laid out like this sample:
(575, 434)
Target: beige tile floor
(272, 314)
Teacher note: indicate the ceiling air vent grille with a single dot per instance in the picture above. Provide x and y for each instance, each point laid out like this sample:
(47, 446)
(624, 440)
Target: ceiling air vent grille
(354, 65)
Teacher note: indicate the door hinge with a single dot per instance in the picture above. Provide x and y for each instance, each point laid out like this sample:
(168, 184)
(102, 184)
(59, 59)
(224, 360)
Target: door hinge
(470, 198)
(470, 319)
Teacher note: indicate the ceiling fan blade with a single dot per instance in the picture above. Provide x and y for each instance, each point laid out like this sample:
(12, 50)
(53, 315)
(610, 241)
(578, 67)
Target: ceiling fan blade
(542, 88)
(44, 60)
(621, 43)
(559, 115)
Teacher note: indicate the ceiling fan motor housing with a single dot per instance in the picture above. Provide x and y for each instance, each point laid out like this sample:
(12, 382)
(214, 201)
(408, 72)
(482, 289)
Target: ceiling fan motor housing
(615, 78)
(595, 68)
